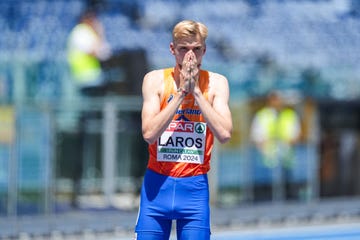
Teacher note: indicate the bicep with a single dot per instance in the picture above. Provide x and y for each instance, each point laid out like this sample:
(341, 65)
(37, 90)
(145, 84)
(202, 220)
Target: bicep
(150, 108)
(151, 100)
(221, 98)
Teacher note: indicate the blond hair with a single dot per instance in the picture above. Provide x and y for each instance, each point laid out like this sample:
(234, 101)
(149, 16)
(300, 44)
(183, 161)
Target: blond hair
(188, 28)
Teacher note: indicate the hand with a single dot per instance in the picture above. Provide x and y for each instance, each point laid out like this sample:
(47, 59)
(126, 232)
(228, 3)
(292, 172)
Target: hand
(194, 69)
(189, 73)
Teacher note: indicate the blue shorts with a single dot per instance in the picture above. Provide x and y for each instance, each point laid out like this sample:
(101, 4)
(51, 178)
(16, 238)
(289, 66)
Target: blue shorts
(165, 198)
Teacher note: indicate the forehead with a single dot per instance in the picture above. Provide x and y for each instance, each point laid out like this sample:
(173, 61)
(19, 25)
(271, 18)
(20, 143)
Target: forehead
(194, 40)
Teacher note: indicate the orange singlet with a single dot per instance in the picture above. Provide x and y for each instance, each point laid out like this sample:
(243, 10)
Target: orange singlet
(184, 149)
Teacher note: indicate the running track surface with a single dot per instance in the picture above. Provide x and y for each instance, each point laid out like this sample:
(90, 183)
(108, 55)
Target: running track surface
(321, 232)
(341, 231)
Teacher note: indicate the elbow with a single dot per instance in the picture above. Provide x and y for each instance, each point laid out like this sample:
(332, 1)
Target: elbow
(148, 140)
(148, 137)
(147, 134)
(225, 137)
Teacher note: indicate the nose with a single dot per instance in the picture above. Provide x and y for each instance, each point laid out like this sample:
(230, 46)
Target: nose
(191, 53)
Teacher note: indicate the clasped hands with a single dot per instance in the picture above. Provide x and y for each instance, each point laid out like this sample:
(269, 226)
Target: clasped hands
(189, 73)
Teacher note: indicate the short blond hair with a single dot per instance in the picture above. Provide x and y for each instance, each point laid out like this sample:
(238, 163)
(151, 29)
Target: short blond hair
(188, 28)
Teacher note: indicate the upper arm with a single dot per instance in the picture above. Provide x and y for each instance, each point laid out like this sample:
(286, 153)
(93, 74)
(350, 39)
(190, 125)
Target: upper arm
(151, 90)
(221, 96)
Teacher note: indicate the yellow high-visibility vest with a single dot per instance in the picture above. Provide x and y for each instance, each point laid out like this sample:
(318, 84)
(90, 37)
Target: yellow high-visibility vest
(85, 67)
(279, 129)
(278, 126)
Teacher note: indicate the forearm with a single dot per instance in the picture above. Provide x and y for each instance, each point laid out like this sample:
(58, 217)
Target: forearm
(154, 125)
(220, 125)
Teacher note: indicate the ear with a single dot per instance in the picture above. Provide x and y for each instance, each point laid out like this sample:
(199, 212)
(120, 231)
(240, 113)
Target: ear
(172, 48)
(204, 49)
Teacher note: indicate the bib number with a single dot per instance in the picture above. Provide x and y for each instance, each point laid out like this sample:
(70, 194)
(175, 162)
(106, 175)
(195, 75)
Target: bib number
(182, 142)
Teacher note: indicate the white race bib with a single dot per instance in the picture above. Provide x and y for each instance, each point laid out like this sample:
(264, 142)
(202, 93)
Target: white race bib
(182, 142)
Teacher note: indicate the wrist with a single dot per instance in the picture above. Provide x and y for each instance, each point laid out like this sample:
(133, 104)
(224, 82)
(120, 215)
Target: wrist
(182, 91)
(197, 91)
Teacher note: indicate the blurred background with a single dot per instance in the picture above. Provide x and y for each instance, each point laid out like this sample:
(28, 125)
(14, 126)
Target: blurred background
(68, 144)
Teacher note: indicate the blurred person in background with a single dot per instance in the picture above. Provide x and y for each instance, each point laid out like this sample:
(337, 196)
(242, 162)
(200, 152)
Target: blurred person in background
(275, 130)
(87, 48)
(184, 107)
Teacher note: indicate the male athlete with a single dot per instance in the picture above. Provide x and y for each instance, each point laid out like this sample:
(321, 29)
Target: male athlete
(184, 107)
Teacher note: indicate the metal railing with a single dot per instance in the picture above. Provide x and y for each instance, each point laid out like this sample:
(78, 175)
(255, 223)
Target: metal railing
(34, 161)
(103, 135)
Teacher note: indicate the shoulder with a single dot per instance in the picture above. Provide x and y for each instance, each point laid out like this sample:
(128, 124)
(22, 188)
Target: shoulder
(84, 29)
(217, 80)
(266, 110)
(154, 77)
(216, 77)
(153, 81)
(289, 112)
(154, 74)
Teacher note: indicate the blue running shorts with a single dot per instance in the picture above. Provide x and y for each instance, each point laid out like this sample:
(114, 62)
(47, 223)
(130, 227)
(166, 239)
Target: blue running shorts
(165, 198)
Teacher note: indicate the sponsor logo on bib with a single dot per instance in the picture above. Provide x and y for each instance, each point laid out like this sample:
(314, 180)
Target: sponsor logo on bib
(182, 142)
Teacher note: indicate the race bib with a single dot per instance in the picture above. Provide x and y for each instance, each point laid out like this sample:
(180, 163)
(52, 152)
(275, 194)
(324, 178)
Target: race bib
(182, 142)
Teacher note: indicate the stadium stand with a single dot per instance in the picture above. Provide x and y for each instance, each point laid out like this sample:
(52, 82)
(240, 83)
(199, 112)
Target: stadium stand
(297, 34)
(313, 46)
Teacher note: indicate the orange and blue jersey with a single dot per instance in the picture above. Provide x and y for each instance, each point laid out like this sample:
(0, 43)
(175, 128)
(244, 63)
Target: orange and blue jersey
(184, 149)
(175, 185)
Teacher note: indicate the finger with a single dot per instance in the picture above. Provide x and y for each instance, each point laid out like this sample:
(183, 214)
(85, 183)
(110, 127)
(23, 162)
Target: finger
(191, 55)
(187, 57)
(188, 67)
(194, 63)
(195, 75)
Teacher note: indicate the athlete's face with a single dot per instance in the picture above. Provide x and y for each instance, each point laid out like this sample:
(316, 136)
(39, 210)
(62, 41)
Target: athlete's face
(183, 46)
